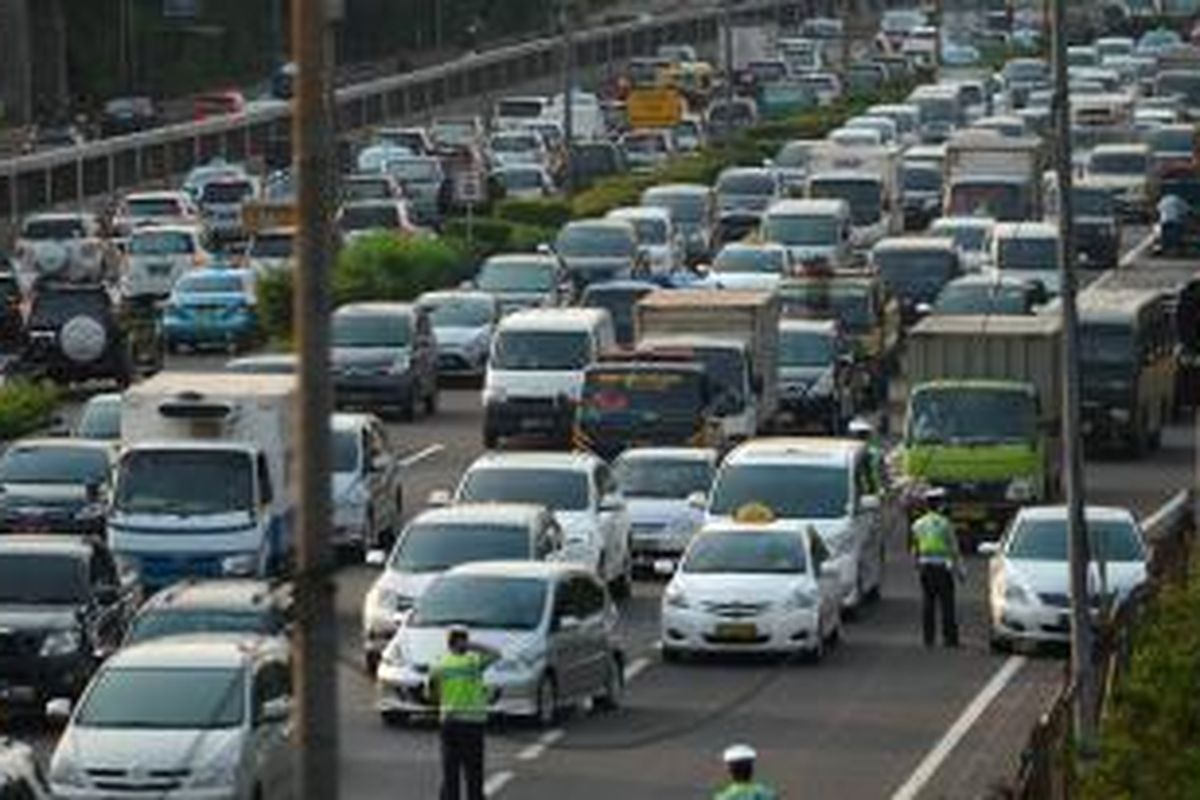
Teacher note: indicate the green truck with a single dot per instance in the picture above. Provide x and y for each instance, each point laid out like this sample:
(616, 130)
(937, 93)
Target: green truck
(981, 407)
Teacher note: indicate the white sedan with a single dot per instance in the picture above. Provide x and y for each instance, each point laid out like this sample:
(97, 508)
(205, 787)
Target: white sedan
(1028, 577)
(752, 587)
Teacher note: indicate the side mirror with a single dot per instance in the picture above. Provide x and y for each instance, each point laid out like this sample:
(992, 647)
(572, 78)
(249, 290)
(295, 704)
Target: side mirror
(439, 498)
(870, 502)
(988, 548)
(275, 711)
(58, 710)
(376, 557)
(698, 500)
(568, 623)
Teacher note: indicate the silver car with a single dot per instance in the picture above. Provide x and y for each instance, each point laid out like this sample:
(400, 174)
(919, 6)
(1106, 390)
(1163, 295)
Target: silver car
(553, 623)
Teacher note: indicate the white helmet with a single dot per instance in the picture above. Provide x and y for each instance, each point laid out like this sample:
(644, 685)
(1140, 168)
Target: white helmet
(735, 754)
(859, 428)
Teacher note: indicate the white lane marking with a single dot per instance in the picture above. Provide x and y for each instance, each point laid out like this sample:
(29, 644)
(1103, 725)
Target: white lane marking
(635, 668)
(1139, 250)
(974, 710)
(495, 782)
(538, 748)
(421, 455)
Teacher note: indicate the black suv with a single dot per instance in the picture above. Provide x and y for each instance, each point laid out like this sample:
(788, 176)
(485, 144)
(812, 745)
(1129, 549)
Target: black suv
(78, 332)
(64, 606)
(234, 605)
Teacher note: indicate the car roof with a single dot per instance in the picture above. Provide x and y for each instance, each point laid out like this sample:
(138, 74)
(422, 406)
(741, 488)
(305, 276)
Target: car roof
(459, 294)
(923, 242)
(48, 544)
(826, 326)
(1059, 512)
(640, 212)
(374, 307)
(791, 449)
(511, 514)
(670, 454)
(545, 259)
(677, 188)
(62, 443)
(990, 279)
(196, 651)
(562, 319)
(348, 421)
(578, 461)
(544, 570)
(964, 222)
(1122, 148)
(809, 206)
(220, 593)
(145, 230)
(1020, 230)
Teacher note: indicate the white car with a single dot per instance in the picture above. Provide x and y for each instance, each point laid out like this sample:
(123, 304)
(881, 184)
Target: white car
(271, 250)
(463, 323)
(365, 484)
(751, 587)
(154, 208)
(156, 256)
(1029, 579)
(659, 240)
(67, 245)
(827, 485)
(521, 146)
(441, 538)
(1125, 169)
(661, 486)
(972, 237)
(195, 717)
(577, 487)
(753, 266)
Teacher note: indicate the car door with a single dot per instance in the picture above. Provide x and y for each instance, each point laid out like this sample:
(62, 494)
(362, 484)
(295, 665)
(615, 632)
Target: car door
(272, 687)
(828, 590)
(868, 522)
(612, 519)
(565, 646)
(593, 607)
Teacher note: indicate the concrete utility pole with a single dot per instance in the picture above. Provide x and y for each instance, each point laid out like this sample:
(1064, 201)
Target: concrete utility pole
(1082, 667)
(727, 26)
(565, 22)
(315, 640)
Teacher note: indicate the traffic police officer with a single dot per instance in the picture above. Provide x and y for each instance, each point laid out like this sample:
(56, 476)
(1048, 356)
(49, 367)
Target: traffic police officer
(864, 431)
(457, 683)
(935, 548)
(739, 760)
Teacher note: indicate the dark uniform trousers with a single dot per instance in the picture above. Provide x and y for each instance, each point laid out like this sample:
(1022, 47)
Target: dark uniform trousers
(462, 759)
(937, 595)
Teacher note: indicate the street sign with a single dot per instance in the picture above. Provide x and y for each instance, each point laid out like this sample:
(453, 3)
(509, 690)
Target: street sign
(468, 187)
(654, 108)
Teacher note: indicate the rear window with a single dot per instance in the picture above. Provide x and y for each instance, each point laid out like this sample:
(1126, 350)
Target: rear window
(52, 229)
(161, 242)
(644, 392)
(226, 192)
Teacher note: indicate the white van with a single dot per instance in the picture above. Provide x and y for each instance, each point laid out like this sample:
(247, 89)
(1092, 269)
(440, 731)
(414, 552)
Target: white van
(535, 372)
(816, 232)
(517, 112)
(587, 118)
(1028, 250)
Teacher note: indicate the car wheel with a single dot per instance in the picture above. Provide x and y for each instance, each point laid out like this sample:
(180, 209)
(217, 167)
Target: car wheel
(998, 644)
(672, 655)
(547, 701)
(393, 719)
(614, 685)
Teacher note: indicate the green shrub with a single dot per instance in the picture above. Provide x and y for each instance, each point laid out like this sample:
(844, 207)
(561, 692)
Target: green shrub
(610, 193)
(26, 406)
(275, 304)
(549, 212)
(384, 267)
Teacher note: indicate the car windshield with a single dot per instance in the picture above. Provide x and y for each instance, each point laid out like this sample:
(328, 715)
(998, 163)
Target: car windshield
(864, 195)
(152, 207)
(1025, 71)
(272, 246)
(1001, 200)
(369, 217)
(428, 547)
(798, 348)
(908, 272)
(57, 464)
(42, 578)
(521, 178)
(346, 452)
(556, 489)
(520, 108)
(650, 231)
(460, 312)
(850, 307)
(414, 170)
(371, 330)
(181, 622)
(751, 183)
(514, 143)
(666, 478)
(980, 298)
(970, 238)
(745, 552)
(750, 259)
(1027, 253)
(226, 191)
(922, 179)
(644, 143)
(1046, 540)
(1106, 344)
(155, 243)
(515, 276)
(791, 491)
(365, 189)
(164, 698)
(185, 482)
(802, 230)
(1172, 140)
(1119, 163)
(1184, 83)
(210, 284)
(1090, 202)
(53, 229)
(101, 419)
(541, 350)
(481, 601)
(586, 241)
(644, 395)
(689, 208)
(966, 416)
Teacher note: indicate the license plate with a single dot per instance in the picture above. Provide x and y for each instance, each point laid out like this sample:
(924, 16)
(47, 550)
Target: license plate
(737, 632)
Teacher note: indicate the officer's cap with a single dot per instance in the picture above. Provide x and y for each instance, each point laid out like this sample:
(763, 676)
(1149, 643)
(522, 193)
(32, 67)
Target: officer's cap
(737, 753)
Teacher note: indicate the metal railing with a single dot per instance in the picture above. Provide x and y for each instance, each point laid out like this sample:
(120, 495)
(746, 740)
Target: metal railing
(1047, 766)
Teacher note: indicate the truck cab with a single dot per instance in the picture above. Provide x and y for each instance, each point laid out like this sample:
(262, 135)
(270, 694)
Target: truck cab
(817, 232)
(202, 485)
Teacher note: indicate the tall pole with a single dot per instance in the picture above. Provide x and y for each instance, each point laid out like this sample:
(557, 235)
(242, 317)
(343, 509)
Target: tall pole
(1082, 667)
(727, 26)
(565, 22)
(315, 640)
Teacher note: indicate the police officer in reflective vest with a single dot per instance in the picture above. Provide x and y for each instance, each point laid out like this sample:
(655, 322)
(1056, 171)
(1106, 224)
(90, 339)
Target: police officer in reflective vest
(739, 760)
(935, 548)
(457, 683)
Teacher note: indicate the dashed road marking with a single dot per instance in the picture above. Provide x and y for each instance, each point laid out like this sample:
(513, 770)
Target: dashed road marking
(495, 782)
(635, 668)
(422, 454)
(538, 748)
(1137, 251)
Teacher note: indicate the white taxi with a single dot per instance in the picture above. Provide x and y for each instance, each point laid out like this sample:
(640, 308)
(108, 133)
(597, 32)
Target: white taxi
(754, 585)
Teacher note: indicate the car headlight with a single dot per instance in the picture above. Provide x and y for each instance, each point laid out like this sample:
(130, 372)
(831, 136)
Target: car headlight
(220, 772)
(65, 771)
(1015, 594)
(675, 598)
(393, 655)
(1019, 490)
(801, 600)
(61, 643)
(240, 565)
(399, 366)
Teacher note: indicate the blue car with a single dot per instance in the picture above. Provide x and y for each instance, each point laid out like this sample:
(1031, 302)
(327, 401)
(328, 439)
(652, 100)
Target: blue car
(213, 307)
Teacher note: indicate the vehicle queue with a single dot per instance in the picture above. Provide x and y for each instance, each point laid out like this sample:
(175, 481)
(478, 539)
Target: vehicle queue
(649, 385)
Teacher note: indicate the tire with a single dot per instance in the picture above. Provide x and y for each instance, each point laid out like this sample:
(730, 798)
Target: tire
(393, 719)
(998, 644)
(546, 711)
(614, 686)
(83, 339)
(672, 655)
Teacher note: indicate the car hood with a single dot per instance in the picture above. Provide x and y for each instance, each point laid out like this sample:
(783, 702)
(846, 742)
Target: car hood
(659, 511)
(365, 356)
(422, 647)
(737, 588)
(460, 336)
(409, 584)
(37, 617)
(1053, 577)
(134, 749)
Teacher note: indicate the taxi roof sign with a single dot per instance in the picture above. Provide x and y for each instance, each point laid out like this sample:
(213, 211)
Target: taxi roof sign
(754, 513)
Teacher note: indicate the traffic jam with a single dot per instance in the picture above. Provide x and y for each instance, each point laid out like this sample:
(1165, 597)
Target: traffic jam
(743, 391)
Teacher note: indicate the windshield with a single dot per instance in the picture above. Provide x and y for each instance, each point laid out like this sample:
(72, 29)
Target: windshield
(34, 464)
(226, 191)
(802, 231)
(482, 601)
(667, 478)
(100, 420)
(366, 189)
(160, 698)
(519, 108)
(508, 276)
(686, 208)
(645, 394)
(965, 416)
(1107, 344)
(1088, 202)
(42, 578)
(750, 552)
(1025, 71)
(161, 243)
(1120, 163)
(1186, 84)
(794, 155)
(979, 298)
(748, 183)
(919, 179)
(644, 143)
(799, 348)
(53, 229)
(152, 207)
(460, 312)
(791, 491)
(181, 622)
(750, 259)
(864, 195)
(650, 231)
(438, 547)
(970, 238)
(586, 241)
(915, 272)
(851, 308)
(556, 489)
(185, 482)
(541, 350)
(271, 246)
(521, 178)
(514, 142)
(1002, 200)
(210, 284)
(414, 171)
(346, 452)
(1027, 253)
(371, 330)
(1046, 540)
(937, 110)
(369, 217)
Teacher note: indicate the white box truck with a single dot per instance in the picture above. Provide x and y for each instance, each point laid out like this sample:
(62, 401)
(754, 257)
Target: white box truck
(202, 485)
(868, 179)
(995, 176)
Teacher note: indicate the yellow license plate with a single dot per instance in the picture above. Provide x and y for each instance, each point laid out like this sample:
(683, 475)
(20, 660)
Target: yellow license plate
(737, 633)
